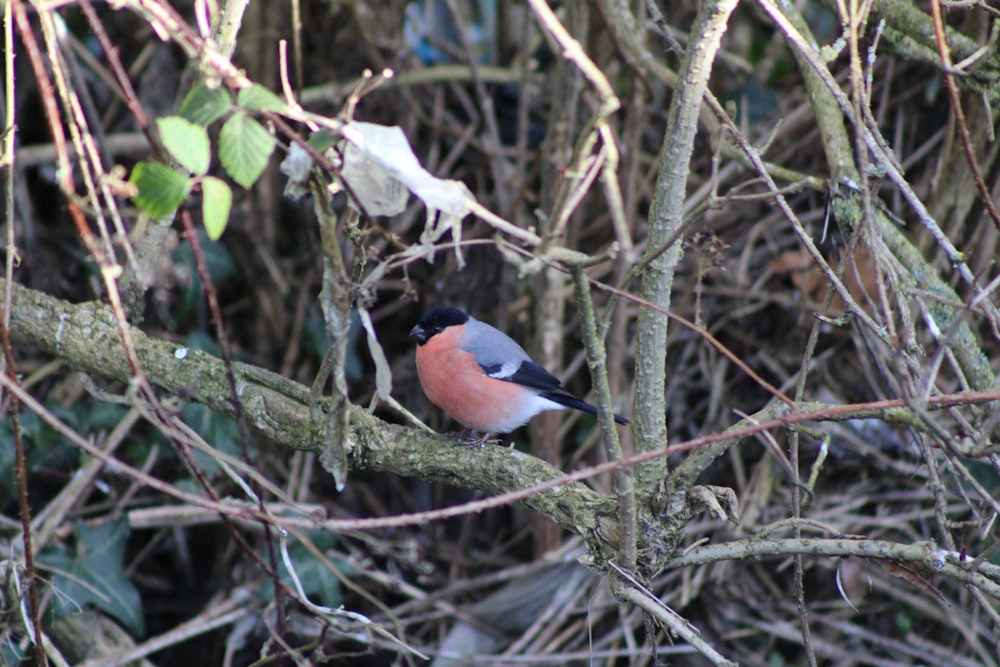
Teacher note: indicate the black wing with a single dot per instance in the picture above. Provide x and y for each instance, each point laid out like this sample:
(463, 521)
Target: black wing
(531, 375)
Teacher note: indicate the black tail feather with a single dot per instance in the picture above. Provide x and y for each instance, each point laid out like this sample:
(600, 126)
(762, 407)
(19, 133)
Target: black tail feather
(575, 403)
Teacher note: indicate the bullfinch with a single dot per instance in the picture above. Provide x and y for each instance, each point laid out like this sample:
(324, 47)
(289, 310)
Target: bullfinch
(481, 377)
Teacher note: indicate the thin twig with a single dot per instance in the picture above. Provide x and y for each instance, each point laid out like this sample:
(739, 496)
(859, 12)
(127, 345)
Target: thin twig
(956, 107)
(624, 484)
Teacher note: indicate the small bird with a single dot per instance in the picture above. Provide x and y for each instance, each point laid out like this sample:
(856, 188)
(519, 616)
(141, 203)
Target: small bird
(481, 377)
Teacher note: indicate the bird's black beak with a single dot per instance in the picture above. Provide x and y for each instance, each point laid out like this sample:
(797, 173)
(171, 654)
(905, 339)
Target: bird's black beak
(418, 334)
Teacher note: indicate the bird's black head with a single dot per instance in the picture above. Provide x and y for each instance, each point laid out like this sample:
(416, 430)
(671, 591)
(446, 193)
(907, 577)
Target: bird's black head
(436, 320)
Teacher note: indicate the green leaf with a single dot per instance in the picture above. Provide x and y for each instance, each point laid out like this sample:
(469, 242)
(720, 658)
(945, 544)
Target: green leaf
(323, 139)
(47, 452)
(244, 148)
(161, 189)
(256, 97)
(319, 583)
(217, 200)
(187, 142)
(95, 574)
(221, 267)
(102, 415)
(10, 654)
(8, 457)
(219, 429)
(204, 105)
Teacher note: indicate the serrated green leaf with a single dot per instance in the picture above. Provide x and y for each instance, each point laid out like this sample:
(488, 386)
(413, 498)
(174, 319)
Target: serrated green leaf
(204, 105)
(95, 574)
(186, 142)
(161, 189)
(217, 200)
(244, 148)
(256, 97)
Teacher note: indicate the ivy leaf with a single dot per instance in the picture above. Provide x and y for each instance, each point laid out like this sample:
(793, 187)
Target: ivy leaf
(219, 429)
(221, 267)
(319, 583)
(186, 142)
(256, 97)
(204, 105)
(217, 200)
(244, 148)
(161, 189)
(95, 574)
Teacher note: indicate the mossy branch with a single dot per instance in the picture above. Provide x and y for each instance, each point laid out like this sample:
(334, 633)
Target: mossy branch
(86, 337)
(665, 217)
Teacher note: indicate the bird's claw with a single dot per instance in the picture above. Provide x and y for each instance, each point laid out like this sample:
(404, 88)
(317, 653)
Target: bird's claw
(469, 439)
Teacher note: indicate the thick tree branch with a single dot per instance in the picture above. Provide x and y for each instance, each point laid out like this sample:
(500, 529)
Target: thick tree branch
(85, 336)
(665, 218)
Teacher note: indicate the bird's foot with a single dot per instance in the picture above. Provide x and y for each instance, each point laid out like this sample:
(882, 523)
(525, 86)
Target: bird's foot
(470, 439)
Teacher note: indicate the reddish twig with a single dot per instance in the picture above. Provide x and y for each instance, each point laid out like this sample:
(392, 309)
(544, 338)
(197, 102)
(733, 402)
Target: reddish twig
(241, 419)
(22, 490)
(873, 409)
(701, 331)
(48, 100)
(108, 268)
(956, 105)
(121, 76)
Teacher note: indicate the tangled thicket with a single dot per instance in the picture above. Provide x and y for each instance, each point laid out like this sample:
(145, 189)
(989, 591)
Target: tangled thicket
(827, 256)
